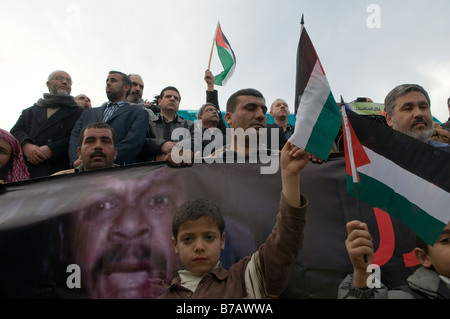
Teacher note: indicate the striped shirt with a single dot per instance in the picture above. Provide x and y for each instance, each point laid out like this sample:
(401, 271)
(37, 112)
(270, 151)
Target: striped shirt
(111, 108)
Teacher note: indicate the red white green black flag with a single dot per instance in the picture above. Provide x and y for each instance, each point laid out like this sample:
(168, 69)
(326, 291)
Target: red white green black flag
(399, 174)
(317, 116)
(226, 56)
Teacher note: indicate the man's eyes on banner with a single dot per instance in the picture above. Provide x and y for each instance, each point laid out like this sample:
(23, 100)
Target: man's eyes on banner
(161, 202)
(103, 209)
(107, 208)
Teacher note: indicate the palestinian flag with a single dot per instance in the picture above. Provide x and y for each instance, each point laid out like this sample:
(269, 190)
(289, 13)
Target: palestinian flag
(399, 174)
(226, 56)
(317, 116)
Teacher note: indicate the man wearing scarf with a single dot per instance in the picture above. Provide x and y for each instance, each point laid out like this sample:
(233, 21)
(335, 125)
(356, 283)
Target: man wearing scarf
(43, 130)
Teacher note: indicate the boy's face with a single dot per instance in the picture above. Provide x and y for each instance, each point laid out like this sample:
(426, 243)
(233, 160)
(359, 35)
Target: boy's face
(439, 254)
(199, 243)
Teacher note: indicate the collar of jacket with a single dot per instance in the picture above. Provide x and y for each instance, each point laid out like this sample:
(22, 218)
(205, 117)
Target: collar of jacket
(159, 118)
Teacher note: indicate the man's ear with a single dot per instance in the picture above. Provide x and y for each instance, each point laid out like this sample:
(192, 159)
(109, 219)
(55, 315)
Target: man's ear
(175, 247)
(388, 118)
(228, 119)
(115, 152)
(79, 152)
(222, 241)
(422, 257)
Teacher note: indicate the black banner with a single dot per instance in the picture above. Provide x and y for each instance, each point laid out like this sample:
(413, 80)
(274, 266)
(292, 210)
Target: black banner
(107, 233)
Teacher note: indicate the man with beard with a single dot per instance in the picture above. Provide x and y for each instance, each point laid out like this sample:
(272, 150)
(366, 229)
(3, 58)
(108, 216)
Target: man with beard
(129, 123)
(120, 236)
(408, 110)
(43, 130)
(136, 93)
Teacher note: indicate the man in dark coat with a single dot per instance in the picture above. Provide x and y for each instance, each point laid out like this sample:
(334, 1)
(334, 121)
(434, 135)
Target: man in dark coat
(43, 130)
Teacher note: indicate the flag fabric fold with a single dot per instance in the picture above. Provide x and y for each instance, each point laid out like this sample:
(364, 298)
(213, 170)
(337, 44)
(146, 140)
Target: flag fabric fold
(399, 174)
(317, 116)
(226, 56)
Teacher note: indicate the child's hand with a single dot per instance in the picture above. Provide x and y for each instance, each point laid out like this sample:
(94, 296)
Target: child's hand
(293, 159)
(359, 243)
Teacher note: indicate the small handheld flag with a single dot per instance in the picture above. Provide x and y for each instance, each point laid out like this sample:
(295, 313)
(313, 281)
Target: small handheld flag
(226, 56)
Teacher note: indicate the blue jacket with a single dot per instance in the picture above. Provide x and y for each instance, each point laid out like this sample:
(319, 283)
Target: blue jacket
(130, 125)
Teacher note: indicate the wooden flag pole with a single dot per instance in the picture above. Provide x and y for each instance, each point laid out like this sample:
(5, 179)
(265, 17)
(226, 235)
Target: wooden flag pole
(212, 47)
(210, 55)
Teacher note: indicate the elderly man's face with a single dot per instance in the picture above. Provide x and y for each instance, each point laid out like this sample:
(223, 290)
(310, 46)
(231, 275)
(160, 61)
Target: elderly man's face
(412, 116)
(209, 117)
(121, 240)
(60, 84)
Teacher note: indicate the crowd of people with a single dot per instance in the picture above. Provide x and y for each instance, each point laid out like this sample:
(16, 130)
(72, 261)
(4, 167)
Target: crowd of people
(62, 134)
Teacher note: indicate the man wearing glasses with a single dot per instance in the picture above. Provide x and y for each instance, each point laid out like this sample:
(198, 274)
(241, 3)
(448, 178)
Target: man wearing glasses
(43, 130)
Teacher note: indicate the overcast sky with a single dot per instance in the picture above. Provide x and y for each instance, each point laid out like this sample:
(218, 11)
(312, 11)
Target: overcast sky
(366, 47)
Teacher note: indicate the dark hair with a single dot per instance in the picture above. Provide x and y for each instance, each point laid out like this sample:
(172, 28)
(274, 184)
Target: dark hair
(193, 210)
(167, 88)
(231, 103)
(96, 125)
(421, 244)
(125, 79)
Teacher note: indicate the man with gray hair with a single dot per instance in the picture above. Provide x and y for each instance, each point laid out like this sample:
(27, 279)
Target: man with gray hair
(43, 130)
(408, 110)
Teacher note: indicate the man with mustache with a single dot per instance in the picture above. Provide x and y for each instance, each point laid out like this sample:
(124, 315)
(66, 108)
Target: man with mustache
(408, 110)
(97, 148)
(119, 237)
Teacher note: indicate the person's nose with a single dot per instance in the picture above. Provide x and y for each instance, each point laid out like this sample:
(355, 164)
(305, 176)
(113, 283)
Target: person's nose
(260, 115)
(199, 245)
(98, 145)
(419, 113)
(129, 224)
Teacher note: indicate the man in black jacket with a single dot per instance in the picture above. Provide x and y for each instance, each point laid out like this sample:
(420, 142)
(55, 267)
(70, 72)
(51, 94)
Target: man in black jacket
(43, 130)
(161, 137)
